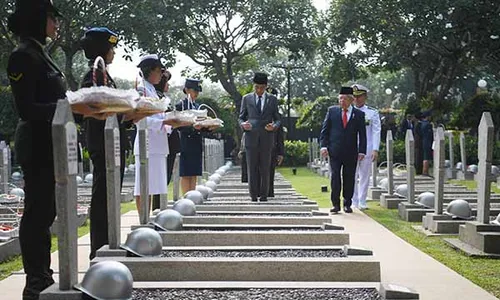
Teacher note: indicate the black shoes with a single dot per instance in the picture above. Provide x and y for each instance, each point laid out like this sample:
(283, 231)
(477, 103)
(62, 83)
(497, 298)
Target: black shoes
(348, 210)
(254, 200)
(335, 210)
(263, 199)
(34, 286)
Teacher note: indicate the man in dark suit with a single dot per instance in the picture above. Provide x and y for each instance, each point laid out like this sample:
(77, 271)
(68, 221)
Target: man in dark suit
(276, 157)
(259, 119)
(343, 139)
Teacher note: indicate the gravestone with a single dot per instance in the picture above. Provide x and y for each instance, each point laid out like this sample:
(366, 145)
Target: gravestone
(480, 237)
(463, 174)
(410, 166)
(390, 162)
(80, 162)
(112, 152)
(437, 222)
(65, 144)
(176, 177)
(388, 195)
(143, 171)
(4, 161)
(452, 171)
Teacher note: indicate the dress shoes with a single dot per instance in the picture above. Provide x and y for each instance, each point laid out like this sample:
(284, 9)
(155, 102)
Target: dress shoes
(335, 210)
(348, 210)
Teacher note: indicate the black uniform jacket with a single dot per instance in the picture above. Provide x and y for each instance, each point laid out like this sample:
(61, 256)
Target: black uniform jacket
(37, 84)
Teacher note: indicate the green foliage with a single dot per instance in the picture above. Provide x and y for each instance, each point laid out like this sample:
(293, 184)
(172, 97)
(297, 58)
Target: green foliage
(296, 153)
(468, 115)
(314, 113)
(439, 41)
(8, 113)
(224, 111)
(399, 154)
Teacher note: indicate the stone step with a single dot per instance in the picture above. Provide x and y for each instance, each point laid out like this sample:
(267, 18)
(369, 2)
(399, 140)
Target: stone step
(252, 227)
(358, 269)
(258, 206)
(253, 238)
(255, 220)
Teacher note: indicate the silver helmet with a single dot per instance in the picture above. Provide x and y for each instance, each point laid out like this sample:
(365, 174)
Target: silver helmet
(185, 207)
(215, 178)
(402, 190)
(426, 199)
(18, 192)
(144, 242)
(168, 219)
(195, 196)
(447, 163)
(384, 184)
(458, 166)
(203, 190)
(89, 178)
(459, 209)
(472, 169)
(16, 176)
(107, 280)
(211, 184)
(495, 171)
(497, 220)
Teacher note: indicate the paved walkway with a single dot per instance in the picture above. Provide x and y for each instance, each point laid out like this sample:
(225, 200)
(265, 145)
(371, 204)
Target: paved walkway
(401, 263)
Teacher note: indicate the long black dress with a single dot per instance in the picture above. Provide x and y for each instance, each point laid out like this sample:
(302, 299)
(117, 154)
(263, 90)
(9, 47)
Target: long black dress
(94, 130)
(191, 145)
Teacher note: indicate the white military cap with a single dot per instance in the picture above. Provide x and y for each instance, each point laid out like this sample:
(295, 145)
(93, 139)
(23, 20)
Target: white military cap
(359, 89)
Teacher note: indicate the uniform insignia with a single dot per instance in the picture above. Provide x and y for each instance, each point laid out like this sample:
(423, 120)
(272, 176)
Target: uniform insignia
(15, 76)
(113, 39)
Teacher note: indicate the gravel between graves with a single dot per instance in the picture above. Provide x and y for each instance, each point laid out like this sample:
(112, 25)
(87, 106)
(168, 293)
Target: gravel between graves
(255, 215)
(253, 229)
(256, 294)
(256, 253)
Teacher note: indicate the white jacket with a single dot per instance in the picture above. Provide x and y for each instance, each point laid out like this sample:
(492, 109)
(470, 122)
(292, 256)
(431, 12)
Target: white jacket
(157, 132)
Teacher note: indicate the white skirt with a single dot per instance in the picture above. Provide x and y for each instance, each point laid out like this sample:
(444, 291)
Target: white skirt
(157, 166)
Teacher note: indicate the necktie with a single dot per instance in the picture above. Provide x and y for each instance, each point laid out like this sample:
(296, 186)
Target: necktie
(344, 118)
(259, 103)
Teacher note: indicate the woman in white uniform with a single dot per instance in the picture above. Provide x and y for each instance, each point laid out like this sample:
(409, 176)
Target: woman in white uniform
(152, 70)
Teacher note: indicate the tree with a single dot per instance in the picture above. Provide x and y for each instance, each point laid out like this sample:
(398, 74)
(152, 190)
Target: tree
(439, 41)
(313, 114)
(222, 35)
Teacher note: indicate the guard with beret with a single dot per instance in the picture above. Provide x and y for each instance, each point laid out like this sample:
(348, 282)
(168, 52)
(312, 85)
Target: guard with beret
(37, 84)
(100, 42)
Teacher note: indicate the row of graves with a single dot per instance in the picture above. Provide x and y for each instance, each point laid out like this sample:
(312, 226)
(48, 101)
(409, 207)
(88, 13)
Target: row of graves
(212, 242)
(442, 207)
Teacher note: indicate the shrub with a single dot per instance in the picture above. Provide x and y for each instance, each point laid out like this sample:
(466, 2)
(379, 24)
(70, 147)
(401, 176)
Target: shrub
(296, 153)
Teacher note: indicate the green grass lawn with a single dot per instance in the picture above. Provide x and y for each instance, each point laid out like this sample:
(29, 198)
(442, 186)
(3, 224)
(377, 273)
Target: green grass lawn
(15, 263)
(483, 272)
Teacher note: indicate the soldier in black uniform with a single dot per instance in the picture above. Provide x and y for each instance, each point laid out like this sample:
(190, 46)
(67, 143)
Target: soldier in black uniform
(100, 41)
(37, 83)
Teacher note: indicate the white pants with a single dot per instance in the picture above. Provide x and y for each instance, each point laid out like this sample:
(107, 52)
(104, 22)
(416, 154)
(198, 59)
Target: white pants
(361, 182)
(157, 175)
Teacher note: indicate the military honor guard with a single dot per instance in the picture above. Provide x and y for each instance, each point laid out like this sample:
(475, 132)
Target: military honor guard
(373, 127)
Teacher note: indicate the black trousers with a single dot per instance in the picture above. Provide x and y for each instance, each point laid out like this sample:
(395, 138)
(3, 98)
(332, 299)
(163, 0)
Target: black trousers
(259, 161)
(342, 180)
(170, 166)
(34, 233)
(98, 203)
(244, 168)
(272, 170)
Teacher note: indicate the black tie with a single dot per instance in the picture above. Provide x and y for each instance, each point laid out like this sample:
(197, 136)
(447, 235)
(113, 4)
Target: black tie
(259, 103)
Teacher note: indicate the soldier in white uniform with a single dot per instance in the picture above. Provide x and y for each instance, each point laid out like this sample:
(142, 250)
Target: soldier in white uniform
(363, 170)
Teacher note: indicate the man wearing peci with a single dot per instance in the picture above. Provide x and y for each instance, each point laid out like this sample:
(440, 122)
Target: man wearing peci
(259, 118)
(372, 123)
(342, 128)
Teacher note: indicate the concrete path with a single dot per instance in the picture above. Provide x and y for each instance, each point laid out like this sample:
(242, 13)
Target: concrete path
(401, 263)
(405, 265)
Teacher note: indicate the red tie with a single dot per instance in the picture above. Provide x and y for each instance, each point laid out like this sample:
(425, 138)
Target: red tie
(344, 118)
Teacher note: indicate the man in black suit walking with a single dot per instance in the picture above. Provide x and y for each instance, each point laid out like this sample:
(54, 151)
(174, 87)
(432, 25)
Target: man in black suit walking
(259, 119)
(343, 139)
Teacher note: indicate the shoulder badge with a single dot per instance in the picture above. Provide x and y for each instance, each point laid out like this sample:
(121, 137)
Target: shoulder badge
(15, 76)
